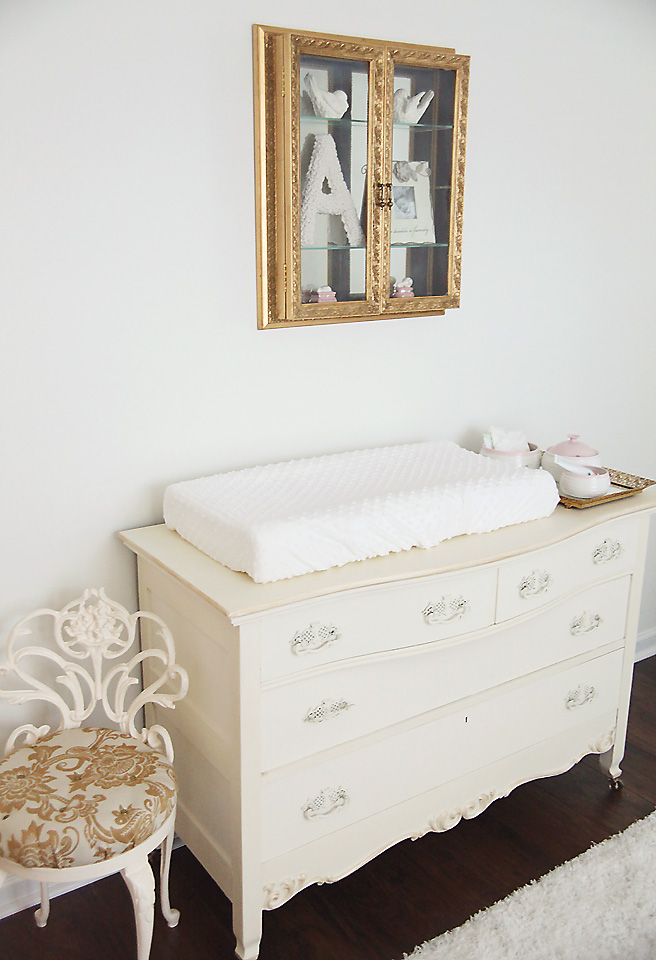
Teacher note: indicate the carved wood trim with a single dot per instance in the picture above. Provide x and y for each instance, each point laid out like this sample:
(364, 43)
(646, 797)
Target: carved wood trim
(278, 892)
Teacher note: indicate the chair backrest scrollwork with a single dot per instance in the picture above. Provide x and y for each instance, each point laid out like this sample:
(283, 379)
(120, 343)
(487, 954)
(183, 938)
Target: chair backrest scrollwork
(90, 634)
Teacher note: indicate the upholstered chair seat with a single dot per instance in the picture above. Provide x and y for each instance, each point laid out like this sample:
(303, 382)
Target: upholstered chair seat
(82, 796)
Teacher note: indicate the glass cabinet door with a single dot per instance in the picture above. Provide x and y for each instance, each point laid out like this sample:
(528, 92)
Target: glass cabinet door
(425, 170)
(360, 165)
(332, 273)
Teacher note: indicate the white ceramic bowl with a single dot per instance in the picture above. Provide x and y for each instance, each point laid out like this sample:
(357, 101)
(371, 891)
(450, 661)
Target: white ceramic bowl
(548, 463)
(582, 487)
(529, 459)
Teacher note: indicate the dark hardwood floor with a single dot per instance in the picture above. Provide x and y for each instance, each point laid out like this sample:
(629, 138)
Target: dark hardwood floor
(407, 895)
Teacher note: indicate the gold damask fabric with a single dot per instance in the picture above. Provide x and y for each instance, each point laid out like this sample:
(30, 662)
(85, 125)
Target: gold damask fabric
(81, 796)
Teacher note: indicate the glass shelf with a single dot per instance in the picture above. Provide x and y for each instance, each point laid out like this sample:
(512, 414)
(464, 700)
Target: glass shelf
(337, 247)
(334, 246)
(420, 246)
(338, 121)
(428, 127)
(350, 121)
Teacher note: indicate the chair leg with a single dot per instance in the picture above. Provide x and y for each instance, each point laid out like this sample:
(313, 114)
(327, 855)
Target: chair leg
(141, 884)
(170, 914)
(41, 915)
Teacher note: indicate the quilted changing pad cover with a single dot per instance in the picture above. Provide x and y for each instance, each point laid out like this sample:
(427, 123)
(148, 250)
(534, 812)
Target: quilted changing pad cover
(285, 519)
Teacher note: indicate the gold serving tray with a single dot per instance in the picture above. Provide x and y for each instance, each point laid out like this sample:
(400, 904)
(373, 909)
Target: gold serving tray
(622, 485)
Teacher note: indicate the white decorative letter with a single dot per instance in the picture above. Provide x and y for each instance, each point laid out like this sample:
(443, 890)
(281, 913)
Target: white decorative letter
(324, 165)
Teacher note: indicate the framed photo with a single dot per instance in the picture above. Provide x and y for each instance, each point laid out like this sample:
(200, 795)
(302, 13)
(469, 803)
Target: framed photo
(412, 212)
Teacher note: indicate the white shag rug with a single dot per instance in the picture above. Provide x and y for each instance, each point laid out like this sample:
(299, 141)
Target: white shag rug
(599, 906)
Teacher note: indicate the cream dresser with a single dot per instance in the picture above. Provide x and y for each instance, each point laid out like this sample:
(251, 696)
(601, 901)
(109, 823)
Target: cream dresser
(332, 715)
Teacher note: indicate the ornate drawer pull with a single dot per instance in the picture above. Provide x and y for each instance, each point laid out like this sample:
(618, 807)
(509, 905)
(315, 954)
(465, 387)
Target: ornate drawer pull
(329, 800)
(536, 582)
(326, 710)
(313, 638)
(579, 696)
(585, 622)
(606, 551)
(445, 609)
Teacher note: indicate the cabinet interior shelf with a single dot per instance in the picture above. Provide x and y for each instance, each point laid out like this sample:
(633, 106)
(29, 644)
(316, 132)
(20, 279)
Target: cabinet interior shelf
(354, 121)
(337, 247)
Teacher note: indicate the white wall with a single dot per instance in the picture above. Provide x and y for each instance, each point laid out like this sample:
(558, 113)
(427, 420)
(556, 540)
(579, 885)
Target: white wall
(130, 356)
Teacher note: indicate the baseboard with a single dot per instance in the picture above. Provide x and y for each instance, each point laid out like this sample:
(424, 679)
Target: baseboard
(18, 894)
(646, 645)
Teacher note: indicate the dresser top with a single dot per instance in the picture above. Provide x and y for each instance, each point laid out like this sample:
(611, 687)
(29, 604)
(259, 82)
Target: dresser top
(238, 596)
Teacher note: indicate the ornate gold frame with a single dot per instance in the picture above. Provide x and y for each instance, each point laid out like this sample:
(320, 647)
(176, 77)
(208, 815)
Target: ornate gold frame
(276, 58)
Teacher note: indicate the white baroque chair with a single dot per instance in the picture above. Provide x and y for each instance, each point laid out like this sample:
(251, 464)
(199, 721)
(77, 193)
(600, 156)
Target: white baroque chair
(79, 803)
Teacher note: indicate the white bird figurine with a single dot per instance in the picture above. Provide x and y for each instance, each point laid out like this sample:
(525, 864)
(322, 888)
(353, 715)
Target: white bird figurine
(409, 109)
(332, 105)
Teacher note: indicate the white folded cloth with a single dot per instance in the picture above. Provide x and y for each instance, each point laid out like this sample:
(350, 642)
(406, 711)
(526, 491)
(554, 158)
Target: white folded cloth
(514, 441)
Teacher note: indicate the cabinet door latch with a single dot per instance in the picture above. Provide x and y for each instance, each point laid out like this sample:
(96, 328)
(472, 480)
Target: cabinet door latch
(384, 195)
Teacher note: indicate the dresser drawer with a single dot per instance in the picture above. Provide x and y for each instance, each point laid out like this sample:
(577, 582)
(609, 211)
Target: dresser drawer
(307, 714)
(320, 798)
(377, 619)
(540, 577)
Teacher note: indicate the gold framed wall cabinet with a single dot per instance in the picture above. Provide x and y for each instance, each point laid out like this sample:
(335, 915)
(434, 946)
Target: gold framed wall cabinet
(360, 163)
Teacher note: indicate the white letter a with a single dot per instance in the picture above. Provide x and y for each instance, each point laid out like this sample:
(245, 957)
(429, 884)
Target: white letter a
(324, 165)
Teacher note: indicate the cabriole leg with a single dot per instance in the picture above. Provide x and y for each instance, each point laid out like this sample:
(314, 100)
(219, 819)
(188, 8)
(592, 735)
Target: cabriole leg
(610, 766)
(41, 915)
(170, 915)
(141, 884)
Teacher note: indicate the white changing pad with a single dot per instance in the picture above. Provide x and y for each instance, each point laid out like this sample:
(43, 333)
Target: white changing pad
(284, 519)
